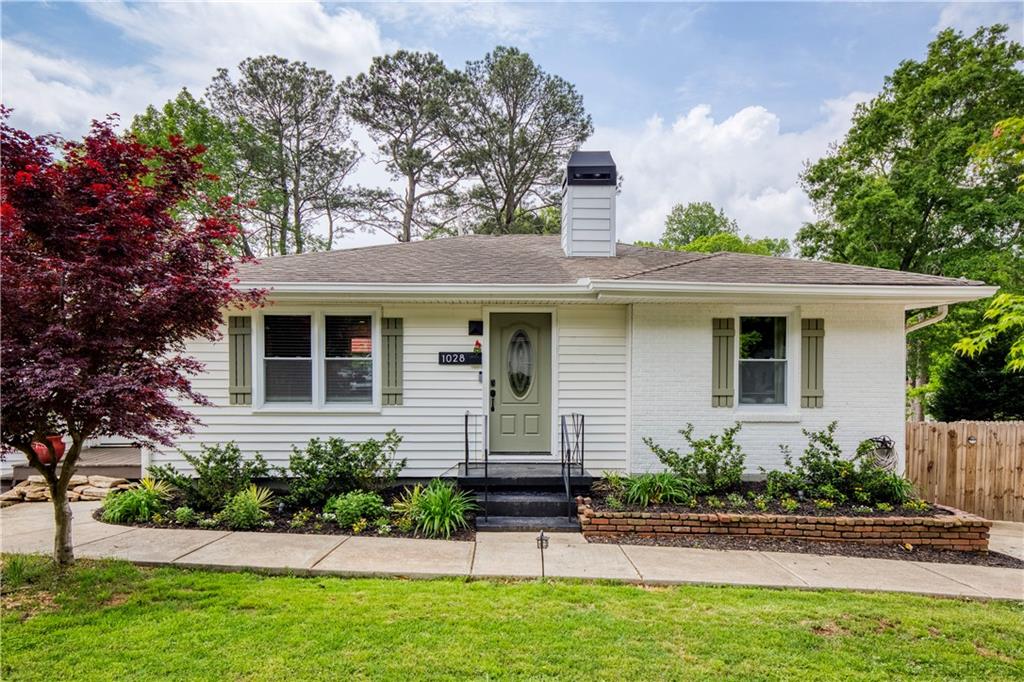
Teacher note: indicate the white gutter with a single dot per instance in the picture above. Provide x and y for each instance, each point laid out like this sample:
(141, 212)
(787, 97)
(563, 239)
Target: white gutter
(929, 321)
(915, 296)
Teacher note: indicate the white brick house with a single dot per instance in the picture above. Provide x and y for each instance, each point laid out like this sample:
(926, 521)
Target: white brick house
(640, 341)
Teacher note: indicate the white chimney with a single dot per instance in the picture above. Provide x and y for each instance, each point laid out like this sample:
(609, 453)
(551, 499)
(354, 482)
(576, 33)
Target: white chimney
(588, 205)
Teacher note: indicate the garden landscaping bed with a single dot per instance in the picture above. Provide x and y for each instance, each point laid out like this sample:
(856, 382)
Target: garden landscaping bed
(952, 529)
(281, 522)
(761, 543)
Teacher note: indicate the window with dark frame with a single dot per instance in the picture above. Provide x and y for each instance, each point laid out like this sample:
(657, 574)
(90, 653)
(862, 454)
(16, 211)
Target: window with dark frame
(762, 360)
(287, 358)
(348, 359)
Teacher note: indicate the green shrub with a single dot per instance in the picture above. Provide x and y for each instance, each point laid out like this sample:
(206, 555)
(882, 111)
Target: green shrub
(348, 508)
(382, 526)
(186, 516)
(301, 518)
(789, 505)
(614, 503)
(713, 502)
(437, 510)
(824, 474)
(824, 505)
(612, 483)
(643, 490)
(327, 468)
(883, 507)
(916, 505)
(715, 463)
(137, 504)
(221, 472)
(247, 509)
(736, 501)
(760, 503)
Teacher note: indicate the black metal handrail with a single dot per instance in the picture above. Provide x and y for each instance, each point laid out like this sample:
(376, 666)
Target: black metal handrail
(486, 455)
(572, 448)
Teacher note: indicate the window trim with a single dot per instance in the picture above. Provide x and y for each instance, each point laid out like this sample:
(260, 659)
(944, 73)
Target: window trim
(792, 363)
(318, 329)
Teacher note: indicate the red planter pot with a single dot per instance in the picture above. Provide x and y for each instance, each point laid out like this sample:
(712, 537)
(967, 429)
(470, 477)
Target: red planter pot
(43, 453)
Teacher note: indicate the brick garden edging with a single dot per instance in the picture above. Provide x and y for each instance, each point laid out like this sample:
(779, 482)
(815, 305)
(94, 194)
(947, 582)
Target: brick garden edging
(959, 531)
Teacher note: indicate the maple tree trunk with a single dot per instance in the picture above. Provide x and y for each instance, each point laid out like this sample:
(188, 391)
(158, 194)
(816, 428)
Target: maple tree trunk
(63, 552)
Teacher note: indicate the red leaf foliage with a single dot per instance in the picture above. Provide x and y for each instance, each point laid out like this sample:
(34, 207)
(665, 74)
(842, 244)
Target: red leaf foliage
(102, 284)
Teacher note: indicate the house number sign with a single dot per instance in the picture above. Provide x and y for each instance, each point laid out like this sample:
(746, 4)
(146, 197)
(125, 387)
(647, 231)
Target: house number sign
(459, 358)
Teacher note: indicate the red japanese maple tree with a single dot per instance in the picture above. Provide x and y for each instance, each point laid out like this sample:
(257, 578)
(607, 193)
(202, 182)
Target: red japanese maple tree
(102, 283)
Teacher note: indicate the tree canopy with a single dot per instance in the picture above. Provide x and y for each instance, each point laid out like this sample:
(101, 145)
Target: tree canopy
(404, 101)
(688, 222)
(513, 129)
(289, 124)
(104, 280)
(979, 387)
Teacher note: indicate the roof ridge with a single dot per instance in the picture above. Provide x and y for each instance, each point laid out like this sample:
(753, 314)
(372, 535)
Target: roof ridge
(667, 266)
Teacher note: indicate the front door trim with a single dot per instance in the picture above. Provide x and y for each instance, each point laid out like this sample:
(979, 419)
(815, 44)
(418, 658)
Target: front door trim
(485, 385)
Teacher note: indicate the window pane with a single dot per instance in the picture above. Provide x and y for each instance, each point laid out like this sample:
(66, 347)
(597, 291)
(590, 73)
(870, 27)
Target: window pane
(286, 336)
(288, 381)
(349, 381)
(762, 338)
(348, 336)
(763, 382)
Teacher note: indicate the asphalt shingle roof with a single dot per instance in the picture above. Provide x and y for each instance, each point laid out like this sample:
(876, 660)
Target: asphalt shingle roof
(535, 259)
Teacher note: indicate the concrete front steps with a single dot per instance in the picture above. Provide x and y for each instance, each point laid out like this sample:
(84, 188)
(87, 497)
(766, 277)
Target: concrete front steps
(525, 511)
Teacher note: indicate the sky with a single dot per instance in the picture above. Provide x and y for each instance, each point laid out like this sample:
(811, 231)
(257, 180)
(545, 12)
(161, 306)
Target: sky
(721, 102)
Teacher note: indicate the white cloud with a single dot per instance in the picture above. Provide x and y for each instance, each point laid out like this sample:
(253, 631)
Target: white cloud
(968, 16)
(517, 23)
(183, 44)
(744, 164)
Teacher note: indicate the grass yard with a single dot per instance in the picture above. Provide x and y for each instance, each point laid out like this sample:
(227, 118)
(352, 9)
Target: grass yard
(112, 620)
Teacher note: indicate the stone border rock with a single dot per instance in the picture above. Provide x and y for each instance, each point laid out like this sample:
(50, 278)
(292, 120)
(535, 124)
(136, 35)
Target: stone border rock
(958, 531)
(80, 487)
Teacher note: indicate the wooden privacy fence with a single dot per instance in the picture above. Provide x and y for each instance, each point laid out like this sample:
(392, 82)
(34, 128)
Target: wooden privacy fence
(974, 466)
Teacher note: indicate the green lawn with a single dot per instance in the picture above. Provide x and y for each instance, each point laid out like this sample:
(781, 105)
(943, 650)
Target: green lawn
(111, 620)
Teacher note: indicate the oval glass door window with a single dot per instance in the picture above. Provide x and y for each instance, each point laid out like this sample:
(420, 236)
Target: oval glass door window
(520, 363)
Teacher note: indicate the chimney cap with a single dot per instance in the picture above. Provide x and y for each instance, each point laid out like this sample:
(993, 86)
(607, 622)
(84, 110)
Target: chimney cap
(590, 168)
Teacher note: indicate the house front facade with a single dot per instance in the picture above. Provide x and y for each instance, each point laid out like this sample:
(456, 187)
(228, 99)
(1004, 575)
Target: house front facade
(482, 344)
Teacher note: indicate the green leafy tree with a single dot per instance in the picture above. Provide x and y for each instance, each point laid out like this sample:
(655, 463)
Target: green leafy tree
(686, 223)
(404, 103)
(900, 190)
(288, 120)
(513, 129)
(1005, 315)
(725, 241)
(980, 386)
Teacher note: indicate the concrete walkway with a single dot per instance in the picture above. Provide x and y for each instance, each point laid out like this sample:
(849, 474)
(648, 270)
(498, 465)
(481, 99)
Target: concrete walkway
(28, 528)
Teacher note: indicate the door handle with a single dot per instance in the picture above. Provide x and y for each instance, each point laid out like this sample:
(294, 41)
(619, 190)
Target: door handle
(492, 400)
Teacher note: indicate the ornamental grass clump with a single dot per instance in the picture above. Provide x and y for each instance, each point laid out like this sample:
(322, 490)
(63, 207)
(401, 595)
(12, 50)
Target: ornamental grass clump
(137, 504)
(643, 490)
(247, 509)
(437, 510)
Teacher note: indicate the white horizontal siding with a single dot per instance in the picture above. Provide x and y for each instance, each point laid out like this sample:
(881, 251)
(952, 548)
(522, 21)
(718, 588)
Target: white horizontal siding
(592, 379)
(430, 420)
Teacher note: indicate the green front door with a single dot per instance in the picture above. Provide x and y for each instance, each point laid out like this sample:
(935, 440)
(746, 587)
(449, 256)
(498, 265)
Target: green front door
(520, 390)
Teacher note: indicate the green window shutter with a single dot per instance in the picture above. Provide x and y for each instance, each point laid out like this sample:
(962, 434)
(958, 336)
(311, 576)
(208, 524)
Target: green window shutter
(240, 359)
(391, 360)
(812, 363)
(722, 366)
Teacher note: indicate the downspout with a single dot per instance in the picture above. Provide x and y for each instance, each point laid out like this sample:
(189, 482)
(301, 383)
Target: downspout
(943, 310)
(920, 378)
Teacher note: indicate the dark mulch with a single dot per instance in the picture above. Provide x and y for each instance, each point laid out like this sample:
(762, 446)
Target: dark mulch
(282, 524)
(806, 508)
(769, 544)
